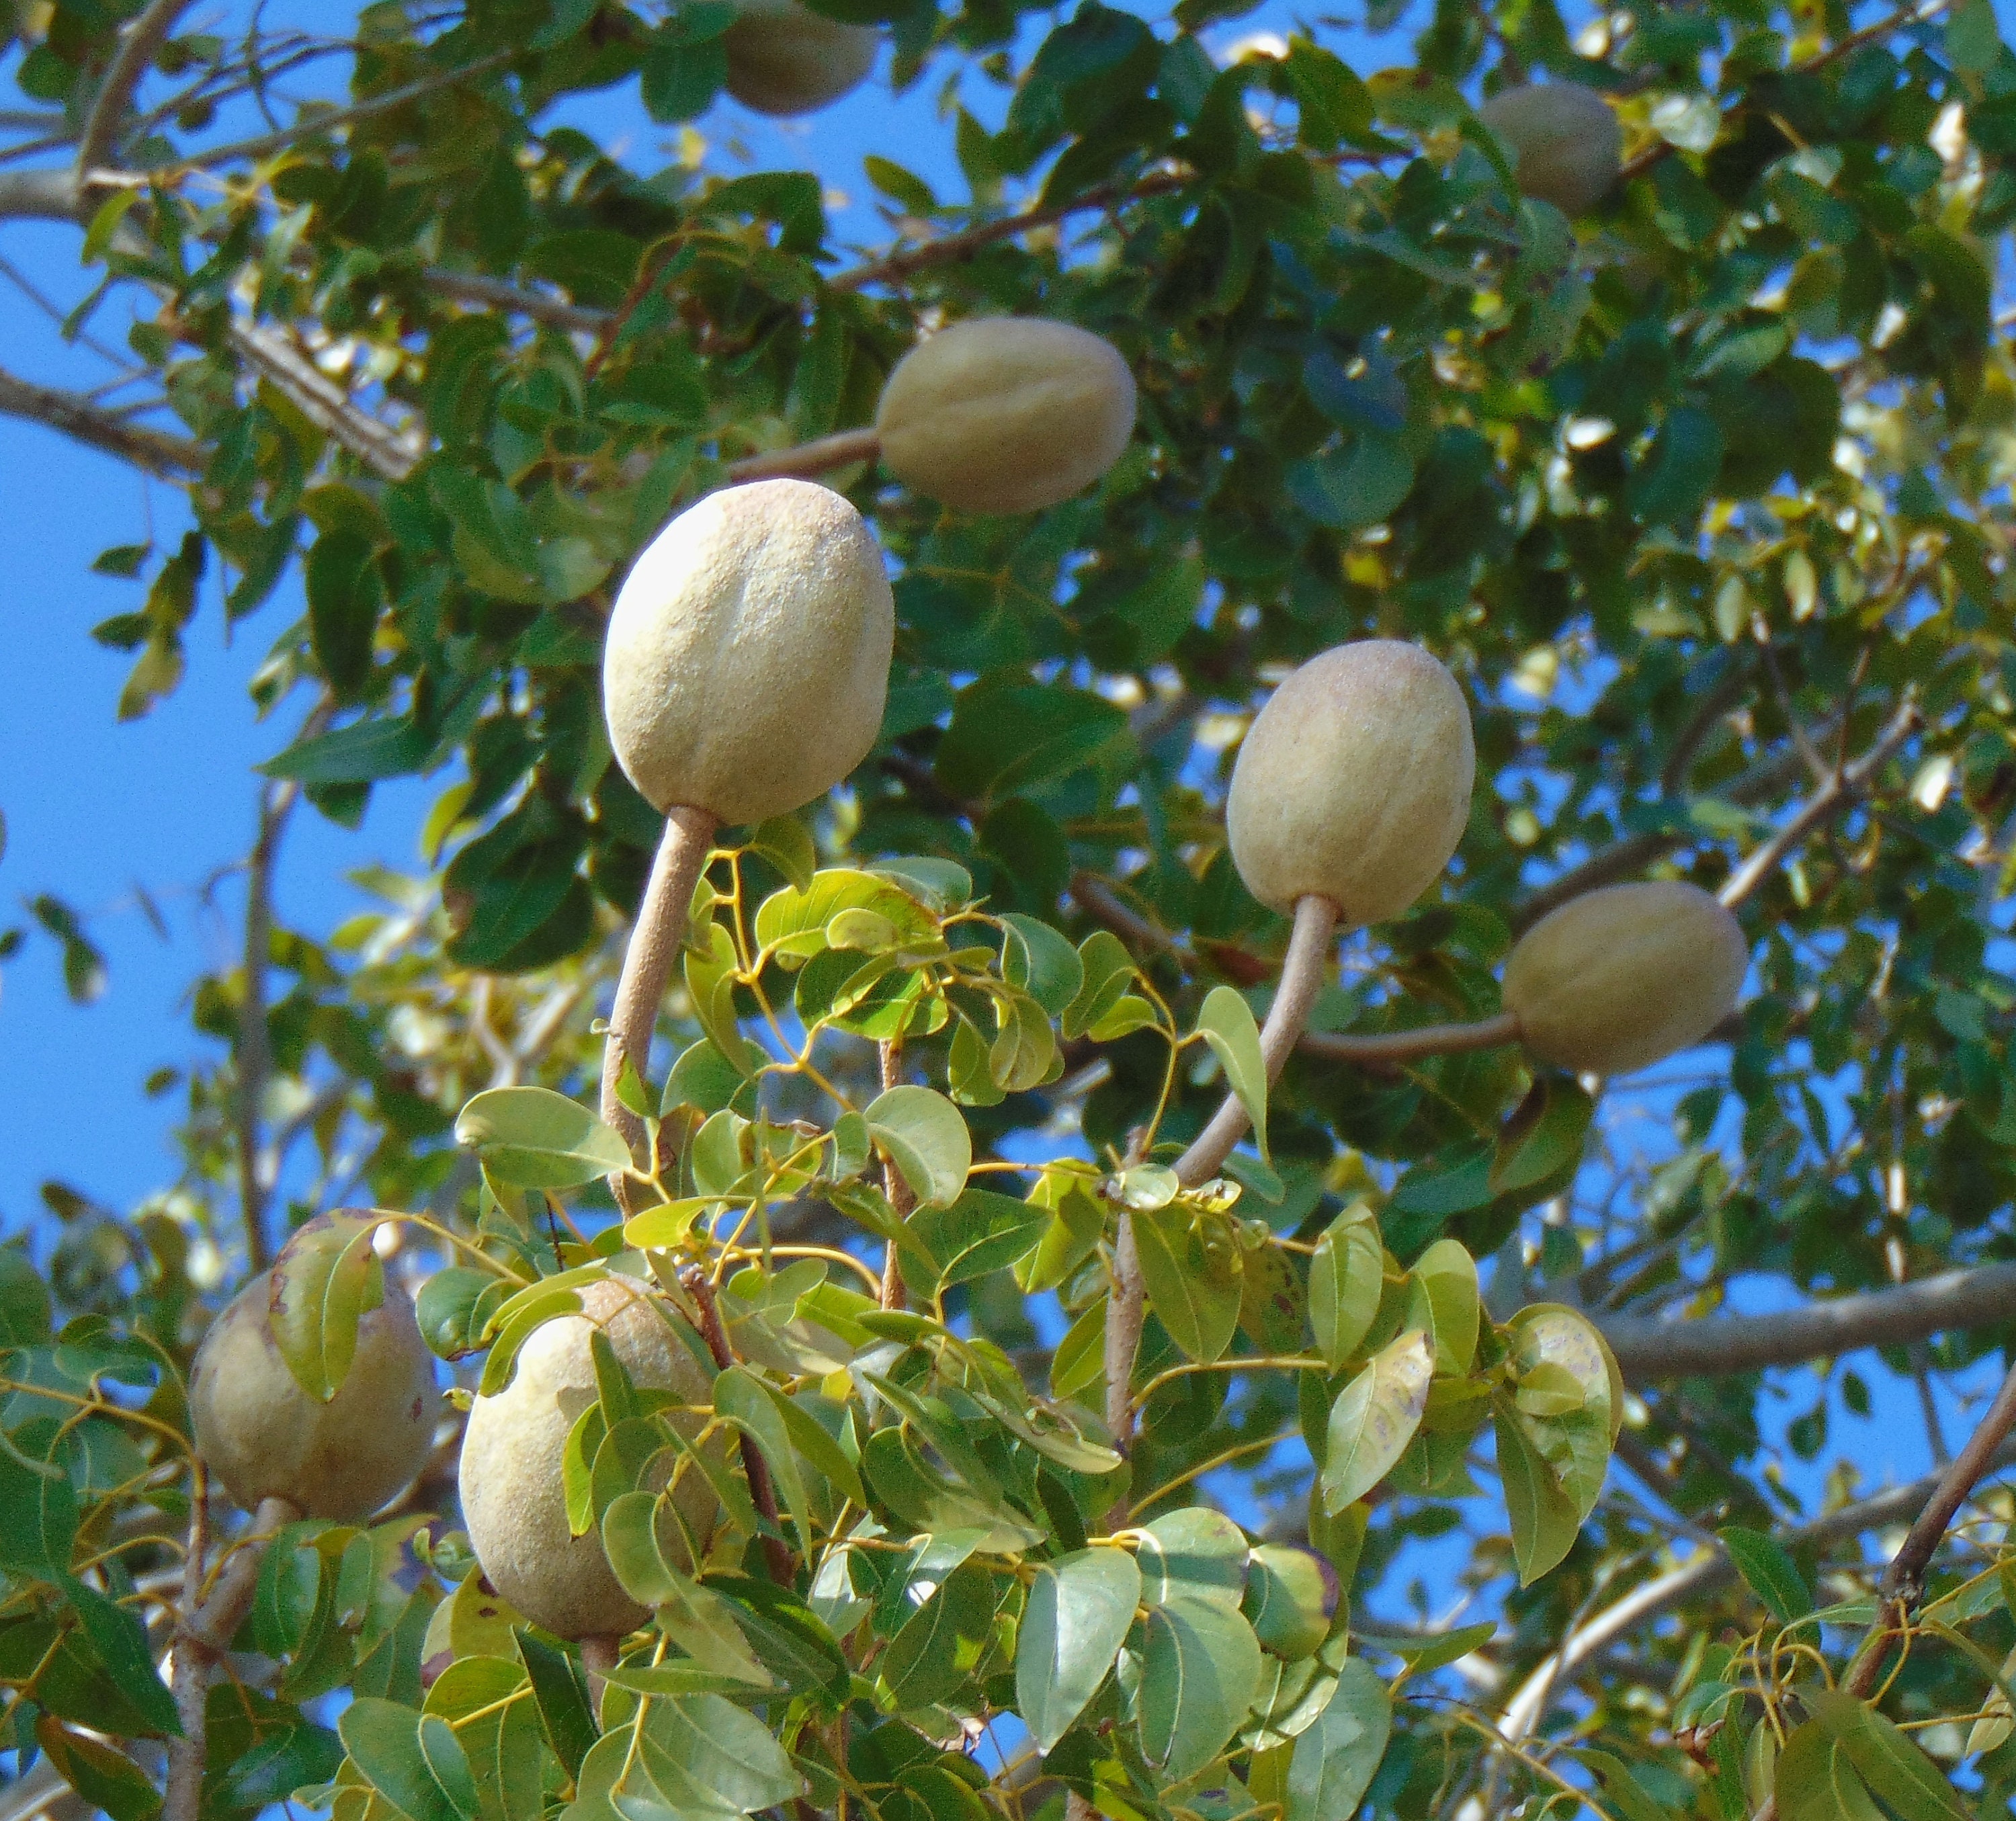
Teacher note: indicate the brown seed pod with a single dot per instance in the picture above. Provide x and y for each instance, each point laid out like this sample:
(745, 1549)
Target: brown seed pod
(264, 1437)
(785, 59)
(1566, 145)
(747, 659)
(1006, 414)
(1353, 783)
(1621, 978)
(513, 1498)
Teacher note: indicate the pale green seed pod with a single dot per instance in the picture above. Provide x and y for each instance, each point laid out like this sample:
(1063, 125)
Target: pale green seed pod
(1566, 145)
(1006, 414)
(513, 1500)
(1621, 978)
(1353, 783)
(747, 660)
(264, 1437)
(784, 58)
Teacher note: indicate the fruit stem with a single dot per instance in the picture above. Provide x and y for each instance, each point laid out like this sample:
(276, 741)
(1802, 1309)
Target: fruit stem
(802, 461)
(1302, 970)
(647, 966)
(1393, 1046)
(203, 1633)
(600, 1652)
(762, 1493)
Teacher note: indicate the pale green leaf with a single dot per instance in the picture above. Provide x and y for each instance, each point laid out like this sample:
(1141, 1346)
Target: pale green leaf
(926, 1137)
(1226, 1023)
(1080, 1608)
(532, 1137)
(1374, 1418)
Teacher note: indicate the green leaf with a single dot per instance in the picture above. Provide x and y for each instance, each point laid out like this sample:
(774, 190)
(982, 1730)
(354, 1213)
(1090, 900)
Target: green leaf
(1623, 1794)
(561, 1695)
(1814, 1780)
(1771, 1574)
(119, 1641)
(1108, 971)
(707, 1756)
(531, 1137)
(1225, 1022)
(449, 1765)
(1544, 1519)
(1080, 1609)
(1008, 735)
(1544, 1136)
(1200, 1668)
(1287, 1600)
(107, 1780)
(1446, 1275)
(787, 845)
(324, 1280)
(1194, 1554)
(1374, 1418)
(26, 1305)
(980, 1233)
(1347, 1279)
(1190, 1264)
(742, 1398)
(925, 1135)
(1335, 1759)
(1038, 960)
(383, 1740)
(1896, 1771)
(941, 1642)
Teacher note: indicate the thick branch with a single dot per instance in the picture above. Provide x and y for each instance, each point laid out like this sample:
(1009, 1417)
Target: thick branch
(1652, 1348)
(647, 966)
(138, 47)
(173, 458)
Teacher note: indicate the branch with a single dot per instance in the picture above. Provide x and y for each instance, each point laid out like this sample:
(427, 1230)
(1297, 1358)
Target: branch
(386, 451)
(900, 1197)
(1711, 1569)
(171, 457)
(470, 287)
(204, 1635)
(968, 241)
(1649, 1348)
(762, 1493)
(1835, 795)
(1621, 859)
(138, 48)
(647, 966)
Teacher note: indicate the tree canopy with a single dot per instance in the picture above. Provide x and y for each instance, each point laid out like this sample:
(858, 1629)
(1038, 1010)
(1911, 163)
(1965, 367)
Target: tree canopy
(1058, 1444)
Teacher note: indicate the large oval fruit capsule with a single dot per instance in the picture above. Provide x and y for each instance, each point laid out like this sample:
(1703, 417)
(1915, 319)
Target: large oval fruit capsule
(264, 1437)
(1621, 978)
(784, 58)
(513, 1491)
(1005, 414)
(1566, 146)
(1353, 783)
(747, 660)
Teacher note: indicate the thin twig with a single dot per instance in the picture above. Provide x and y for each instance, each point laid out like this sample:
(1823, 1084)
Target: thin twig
(762, 1492)
(138, 46)
(1398, 1046)
(494, 294)
(1841, 789)
(647, 966)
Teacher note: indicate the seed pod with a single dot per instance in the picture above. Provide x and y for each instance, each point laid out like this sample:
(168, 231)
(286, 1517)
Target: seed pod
(1353, 783)
(513, 1499)
(747, 659)
(264, 1437)
(1005, 414)
(1620, 978)
(1566, 146)
(785, 59)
